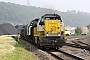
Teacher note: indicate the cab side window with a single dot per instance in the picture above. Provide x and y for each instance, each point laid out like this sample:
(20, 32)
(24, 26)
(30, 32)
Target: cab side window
(41, 22)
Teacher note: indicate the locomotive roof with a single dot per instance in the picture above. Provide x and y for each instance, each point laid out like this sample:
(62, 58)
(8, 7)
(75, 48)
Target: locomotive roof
(51, 15)
(35, 20)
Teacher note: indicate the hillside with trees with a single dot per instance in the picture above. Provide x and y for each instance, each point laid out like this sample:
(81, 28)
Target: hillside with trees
(21, 14)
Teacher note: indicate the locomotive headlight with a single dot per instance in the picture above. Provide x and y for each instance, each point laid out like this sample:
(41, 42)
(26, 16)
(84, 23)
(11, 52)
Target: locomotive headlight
(55, 41)
(58, 33)
(47, 34)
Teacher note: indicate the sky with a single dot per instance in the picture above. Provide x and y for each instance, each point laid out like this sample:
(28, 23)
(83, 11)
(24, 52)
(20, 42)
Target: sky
(61, 5)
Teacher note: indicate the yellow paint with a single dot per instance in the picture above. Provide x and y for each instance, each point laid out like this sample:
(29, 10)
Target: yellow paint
(35, 32)
(52, 26)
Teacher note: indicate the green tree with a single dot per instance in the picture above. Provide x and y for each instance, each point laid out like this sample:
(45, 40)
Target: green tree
(88, 26)
(21, 14)
(78, 30)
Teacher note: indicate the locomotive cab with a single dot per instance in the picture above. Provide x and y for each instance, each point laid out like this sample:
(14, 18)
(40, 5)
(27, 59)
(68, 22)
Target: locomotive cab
(50, 29)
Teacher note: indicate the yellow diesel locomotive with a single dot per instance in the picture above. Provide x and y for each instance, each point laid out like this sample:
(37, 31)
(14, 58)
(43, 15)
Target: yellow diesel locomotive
(47, 31)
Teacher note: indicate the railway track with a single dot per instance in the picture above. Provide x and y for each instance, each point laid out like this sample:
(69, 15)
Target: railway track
(80, 43)
(83, 43)
(61, 55)
(77, 43)
(77, 46)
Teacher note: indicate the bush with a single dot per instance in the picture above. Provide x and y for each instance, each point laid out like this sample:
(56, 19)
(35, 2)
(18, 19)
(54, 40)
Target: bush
(78, 31)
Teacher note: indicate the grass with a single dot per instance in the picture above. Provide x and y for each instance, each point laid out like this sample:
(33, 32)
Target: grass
(10, 49)
(6, 46)
(74, 36)
(88, 34)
